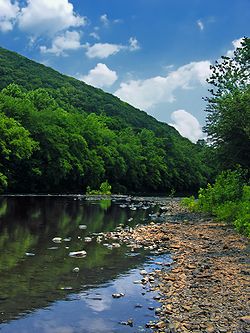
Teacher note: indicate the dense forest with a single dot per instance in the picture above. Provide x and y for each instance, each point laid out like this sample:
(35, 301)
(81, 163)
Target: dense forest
(58, 134)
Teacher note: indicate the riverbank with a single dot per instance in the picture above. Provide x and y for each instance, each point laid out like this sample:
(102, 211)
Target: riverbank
(207, 287)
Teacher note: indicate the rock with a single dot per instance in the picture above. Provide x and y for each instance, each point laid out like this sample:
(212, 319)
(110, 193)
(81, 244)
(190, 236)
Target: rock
(82, 226)
(129, 322)
(29, 254)
(57, 239)
(99, 239)
(78, 254)
(76, 269)
(116, 245)
(245, 319)
(143, 272)
(138, 306)
(137, 282)
(87, 239)
(151, 308)
(67, 239)
(160, 324)
(66, 288)
(210, 329)
(118, 295)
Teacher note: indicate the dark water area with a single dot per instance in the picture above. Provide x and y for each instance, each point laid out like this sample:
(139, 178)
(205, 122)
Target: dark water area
(44, 290)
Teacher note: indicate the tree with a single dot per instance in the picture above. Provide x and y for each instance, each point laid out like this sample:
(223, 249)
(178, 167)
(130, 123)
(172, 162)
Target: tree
(228, 108)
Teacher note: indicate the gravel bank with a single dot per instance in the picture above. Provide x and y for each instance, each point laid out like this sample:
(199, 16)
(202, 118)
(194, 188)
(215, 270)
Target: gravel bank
(207, 289)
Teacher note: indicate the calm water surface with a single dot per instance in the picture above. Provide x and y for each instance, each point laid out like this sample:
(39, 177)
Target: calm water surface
(40, 291)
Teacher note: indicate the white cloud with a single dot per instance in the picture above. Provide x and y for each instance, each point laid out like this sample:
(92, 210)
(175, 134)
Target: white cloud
(104, 19)
(133, 44)
(200, 25)
(102, 50)
(70, 40)
(94, 35)
(236, 44)
(100, 76)
(187, 125)
(8, 13)
(49, 17)
(145, 94)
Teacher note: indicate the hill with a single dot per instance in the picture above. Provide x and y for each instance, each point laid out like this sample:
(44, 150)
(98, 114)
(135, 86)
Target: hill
(59, 134)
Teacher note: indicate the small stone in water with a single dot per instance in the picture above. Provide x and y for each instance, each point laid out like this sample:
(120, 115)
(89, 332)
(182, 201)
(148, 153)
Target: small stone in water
(57, 239)
(82, 226)
(76, 269)
(118, 295)
(78, 254)
(66, 288)
(143, 272)
(87, 239)
(29, 254)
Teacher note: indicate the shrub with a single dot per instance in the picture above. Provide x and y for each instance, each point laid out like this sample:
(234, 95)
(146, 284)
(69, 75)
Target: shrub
(228, 199)
(105, 189)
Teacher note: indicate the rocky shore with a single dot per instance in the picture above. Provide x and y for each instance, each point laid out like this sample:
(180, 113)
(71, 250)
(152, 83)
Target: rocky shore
(206, 289)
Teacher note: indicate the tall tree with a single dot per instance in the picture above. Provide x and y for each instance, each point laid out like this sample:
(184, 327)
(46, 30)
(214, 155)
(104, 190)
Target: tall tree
(228, 108)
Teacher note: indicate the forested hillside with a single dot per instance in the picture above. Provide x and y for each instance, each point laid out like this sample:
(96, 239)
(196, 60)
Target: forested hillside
(58, 134)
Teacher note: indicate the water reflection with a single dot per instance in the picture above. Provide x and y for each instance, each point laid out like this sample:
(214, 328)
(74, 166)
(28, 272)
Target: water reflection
(32, 282)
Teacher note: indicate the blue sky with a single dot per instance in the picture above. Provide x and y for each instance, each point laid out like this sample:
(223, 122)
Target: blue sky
(154, 54)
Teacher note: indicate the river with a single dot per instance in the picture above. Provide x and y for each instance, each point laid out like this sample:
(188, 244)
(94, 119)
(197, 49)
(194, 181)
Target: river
(45, 290)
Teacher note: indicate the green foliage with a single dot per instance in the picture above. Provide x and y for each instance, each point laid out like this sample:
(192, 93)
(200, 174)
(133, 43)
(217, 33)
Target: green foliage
(190, 203)
(105, 189)
(228, 108)
(228, 199)
(72, 135)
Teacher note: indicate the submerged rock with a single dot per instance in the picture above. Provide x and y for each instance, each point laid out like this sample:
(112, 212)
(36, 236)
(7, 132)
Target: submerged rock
(82, 226)
(78, 254)
(57, 239)
(118, 295)
(76, 269)
(29, 254)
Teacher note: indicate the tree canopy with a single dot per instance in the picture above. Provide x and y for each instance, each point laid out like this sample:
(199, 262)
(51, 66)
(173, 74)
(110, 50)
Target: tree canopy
(228, 108)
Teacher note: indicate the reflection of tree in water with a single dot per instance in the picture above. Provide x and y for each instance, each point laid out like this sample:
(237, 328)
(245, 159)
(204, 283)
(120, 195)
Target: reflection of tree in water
(28, 225)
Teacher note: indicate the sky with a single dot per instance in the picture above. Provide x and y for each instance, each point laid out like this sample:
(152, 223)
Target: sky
(153, 54)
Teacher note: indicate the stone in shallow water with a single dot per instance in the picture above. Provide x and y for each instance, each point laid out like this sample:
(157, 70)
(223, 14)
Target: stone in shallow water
(57, 239)
(118, 295)
(78, 254)
(29, 254)
(82, 226)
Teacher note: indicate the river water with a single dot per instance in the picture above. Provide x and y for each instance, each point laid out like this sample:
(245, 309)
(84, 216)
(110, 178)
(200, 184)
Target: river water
(44, 290)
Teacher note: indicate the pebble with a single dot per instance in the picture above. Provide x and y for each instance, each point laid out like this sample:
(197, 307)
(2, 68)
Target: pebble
(57, 239)
(82, 226)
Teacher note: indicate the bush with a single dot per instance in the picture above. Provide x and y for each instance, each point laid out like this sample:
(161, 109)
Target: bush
(228, 199)
(105, 189)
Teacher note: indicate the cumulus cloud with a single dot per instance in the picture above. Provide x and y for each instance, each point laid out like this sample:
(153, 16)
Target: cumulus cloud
(200, 25)
(102, 50)
(100, 76)
(70, 40)
(48, 17)
(236, 44)
(144, 94)
(8, 14)
(187, 125)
